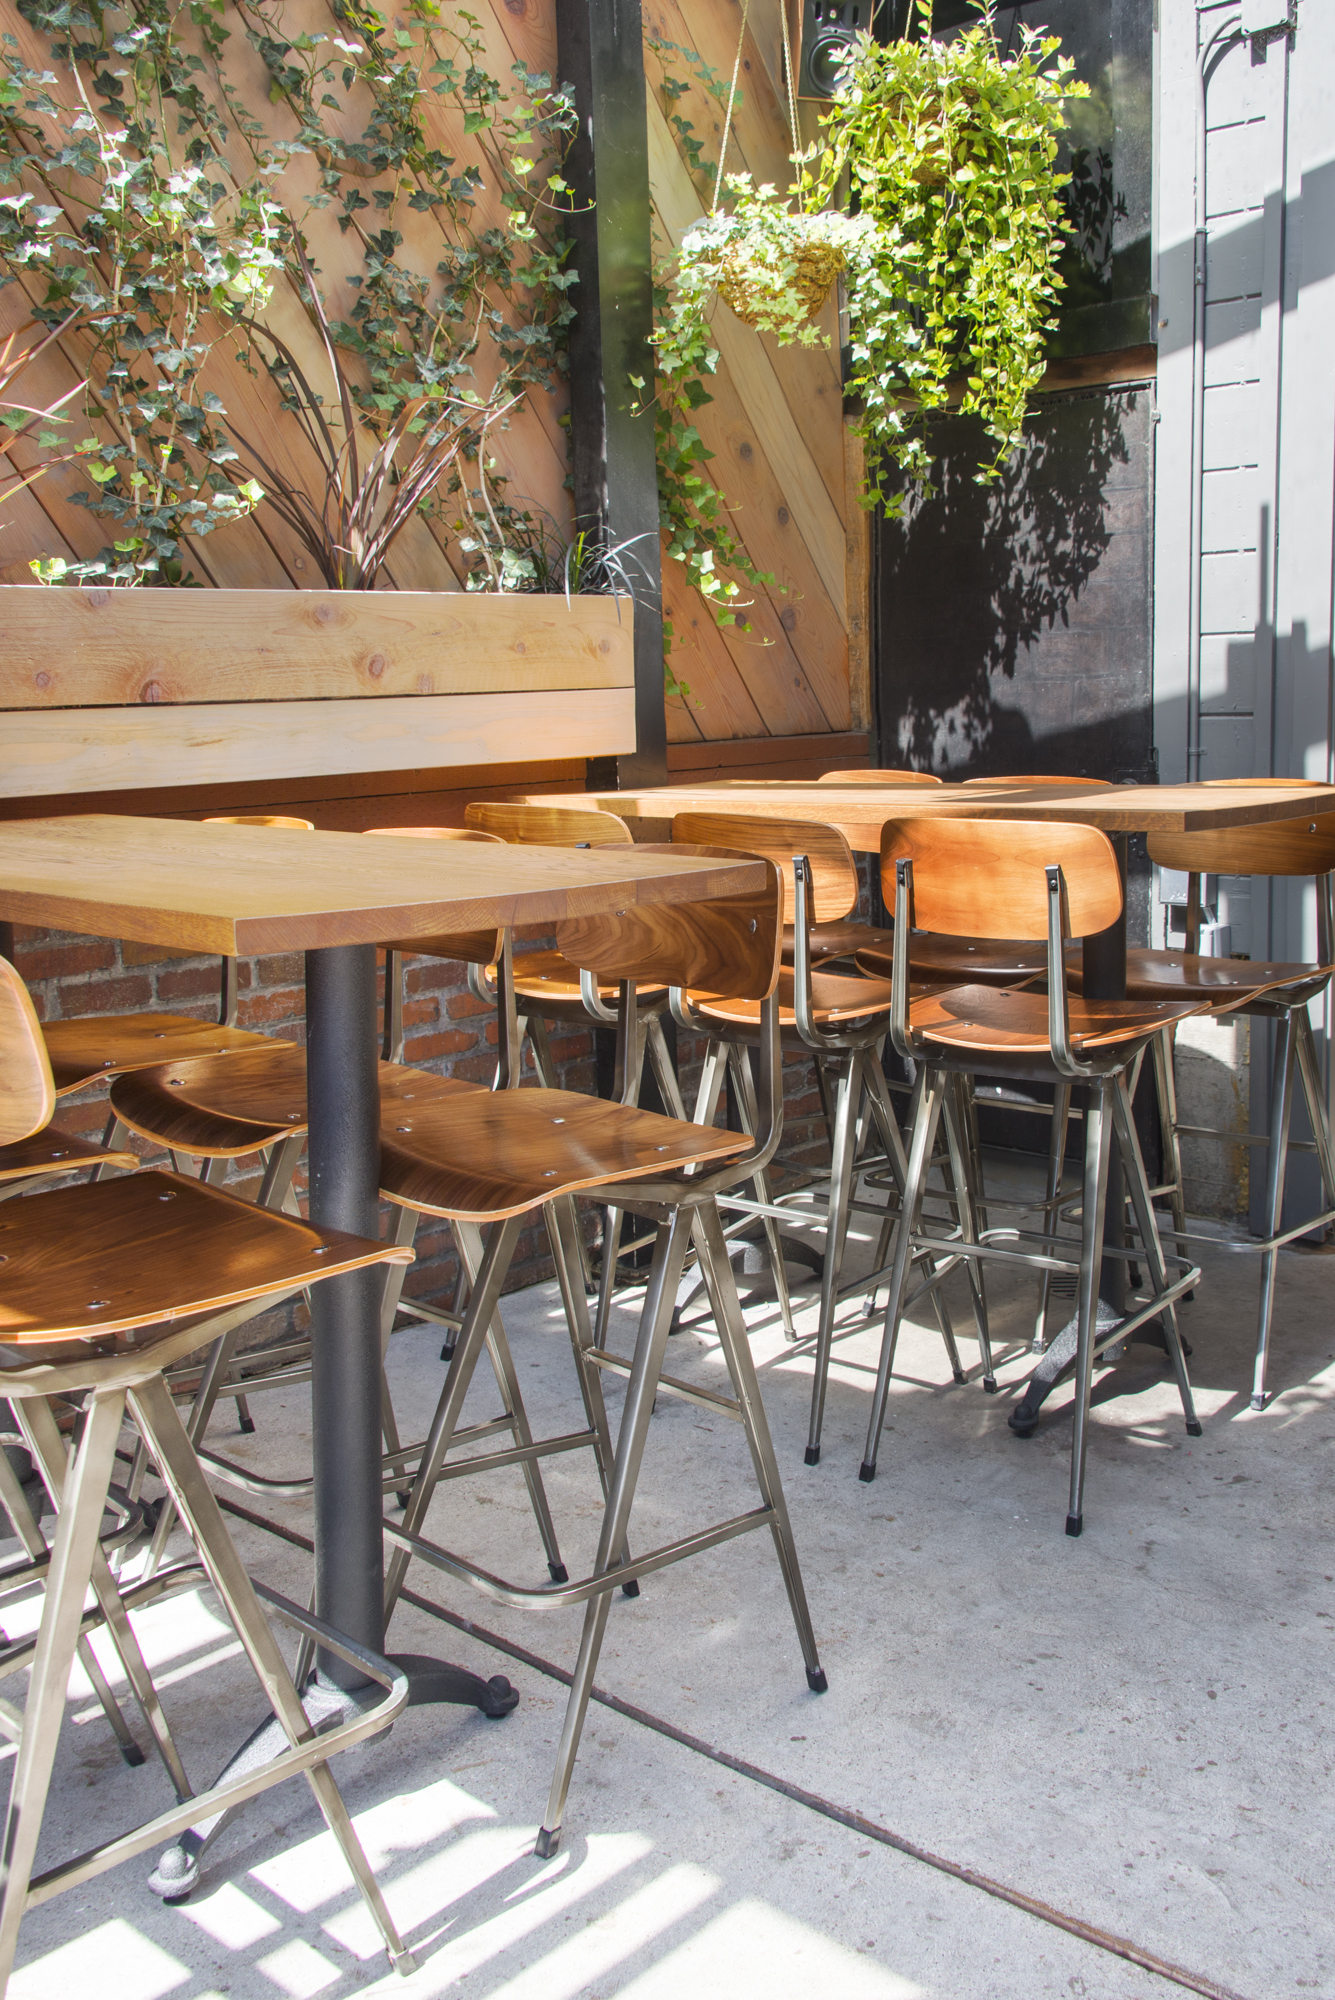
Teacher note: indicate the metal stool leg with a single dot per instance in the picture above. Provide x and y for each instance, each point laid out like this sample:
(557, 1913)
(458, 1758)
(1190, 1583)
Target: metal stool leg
(158, 1416)
(1165, 1091)
(847, 1105)
(961, 1168)
(1097, 1133)
(48, 1448)
(1061, 1119)
(760, 1184)
(1138, 1188)
(929, 1092)
(742, 1368)
(647, 1364)
(77, 1526)
(1281, 1111)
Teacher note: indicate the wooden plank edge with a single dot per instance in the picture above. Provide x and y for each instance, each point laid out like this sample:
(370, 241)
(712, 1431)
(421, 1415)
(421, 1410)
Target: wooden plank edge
(115, 750)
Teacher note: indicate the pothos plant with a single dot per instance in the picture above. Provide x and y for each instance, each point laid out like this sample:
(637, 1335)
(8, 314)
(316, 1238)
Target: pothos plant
(949, 149)
(145, 191)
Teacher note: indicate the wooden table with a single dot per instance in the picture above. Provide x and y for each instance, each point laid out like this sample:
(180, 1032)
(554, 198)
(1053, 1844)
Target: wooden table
(244, 889)
(860, 810)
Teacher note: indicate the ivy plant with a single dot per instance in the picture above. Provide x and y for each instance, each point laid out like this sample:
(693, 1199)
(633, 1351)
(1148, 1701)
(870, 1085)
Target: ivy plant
(138, 184)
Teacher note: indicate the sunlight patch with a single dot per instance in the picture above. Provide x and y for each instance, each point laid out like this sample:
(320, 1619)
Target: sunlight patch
(755, 1952)
(113, 1961)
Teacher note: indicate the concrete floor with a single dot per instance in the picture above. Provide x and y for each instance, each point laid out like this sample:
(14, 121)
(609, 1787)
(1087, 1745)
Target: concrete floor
(1135, 1727)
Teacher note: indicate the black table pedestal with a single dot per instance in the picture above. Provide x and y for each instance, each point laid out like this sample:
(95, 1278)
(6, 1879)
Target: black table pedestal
(343, 1107)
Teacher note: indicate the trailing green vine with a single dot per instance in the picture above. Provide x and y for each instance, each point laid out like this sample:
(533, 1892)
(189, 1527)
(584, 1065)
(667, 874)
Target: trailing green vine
(139, 185)
(949, 149)
(693, 512)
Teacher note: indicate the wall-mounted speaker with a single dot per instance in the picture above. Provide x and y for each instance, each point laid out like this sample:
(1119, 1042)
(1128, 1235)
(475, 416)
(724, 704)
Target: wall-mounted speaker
(829, 30)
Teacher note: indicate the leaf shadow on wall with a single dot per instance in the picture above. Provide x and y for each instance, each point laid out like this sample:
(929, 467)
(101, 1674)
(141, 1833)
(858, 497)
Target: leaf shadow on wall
(971, 578)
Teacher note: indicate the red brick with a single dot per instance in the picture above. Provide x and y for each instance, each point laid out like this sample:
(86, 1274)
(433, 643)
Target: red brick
(466, 1006)
(49, 960)
(129, 994)
(425, 1048)
(281, 970)
(265, 1009)
(199, 982)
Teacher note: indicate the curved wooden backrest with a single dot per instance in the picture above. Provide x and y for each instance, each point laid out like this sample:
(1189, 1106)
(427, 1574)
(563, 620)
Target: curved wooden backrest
(1321, 784)
(834, 872)
(260, 819)
(27, 1094)
(984, 877)
(467, 947)
(878, 777)
(548, 826)
(728, 946)
(1085, 784)
(437, 833)
(1283, 847)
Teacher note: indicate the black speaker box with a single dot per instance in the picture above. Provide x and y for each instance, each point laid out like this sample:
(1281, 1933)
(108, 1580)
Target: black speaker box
(829, 29)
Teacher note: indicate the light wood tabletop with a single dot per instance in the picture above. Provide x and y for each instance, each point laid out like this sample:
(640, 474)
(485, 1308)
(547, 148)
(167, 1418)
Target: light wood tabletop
(242, 889)
(860, 810)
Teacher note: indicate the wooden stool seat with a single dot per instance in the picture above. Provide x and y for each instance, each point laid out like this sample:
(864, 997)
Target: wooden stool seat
(52, 1152)
(221, 1108)
(985, 961)
(502, 1152)
(1010, 1021)
(548, 977)
(1224, 982)
(84, 1050)
(84, 1262)
(837, 996)
(841, 939)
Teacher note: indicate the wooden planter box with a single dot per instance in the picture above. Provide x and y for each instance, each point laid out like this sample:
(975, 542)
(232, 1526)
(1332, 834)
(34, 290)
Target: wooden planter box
(113, 690)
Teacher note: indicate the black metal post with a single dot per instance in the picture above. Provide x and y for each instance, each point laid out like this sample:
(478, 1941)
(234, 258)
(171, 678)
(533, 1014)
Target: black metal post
(1104, 978)
(343, 1086)
(601, 56)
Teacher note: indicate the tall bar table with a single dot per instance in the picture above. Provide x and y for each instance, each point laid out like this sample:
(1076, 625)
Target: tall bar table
(238, 890)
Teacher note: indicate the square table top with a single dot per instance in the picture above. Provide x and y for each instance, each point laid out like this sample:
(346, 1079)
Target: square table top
(242, 889)
(861, 808)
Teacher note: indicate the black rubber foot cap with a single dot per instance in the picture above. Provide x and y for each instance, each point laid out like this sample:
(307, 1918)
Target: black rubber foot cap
(989, 1385)
(1022, 1422)
(558, 1572)
(503, 1701)
(447, 1351)
(1258, 1402)
(631, 1589)
(1074, 1524)
(1193, 1430)
(132, 1755)
(812, 1455)
(866, 1473)
(816, 1680)
(247, 1426)
(960, 1375)
(546, 1843)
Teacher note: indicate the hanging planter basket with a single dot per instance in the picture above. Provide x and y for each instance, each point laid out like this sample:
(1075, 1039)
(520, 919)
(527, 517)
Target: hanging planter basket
(772, 265)
(760, 279)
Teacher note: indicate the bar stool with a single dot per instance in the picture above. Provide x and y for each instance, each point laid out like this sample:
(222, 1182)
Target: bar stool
(173, 1264)
(223, 1109)
(1263, 991)
(448, 947)
(1076, 784)
(1022, 879)
(496, 1160)
(836, 1019)
(547, 986)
